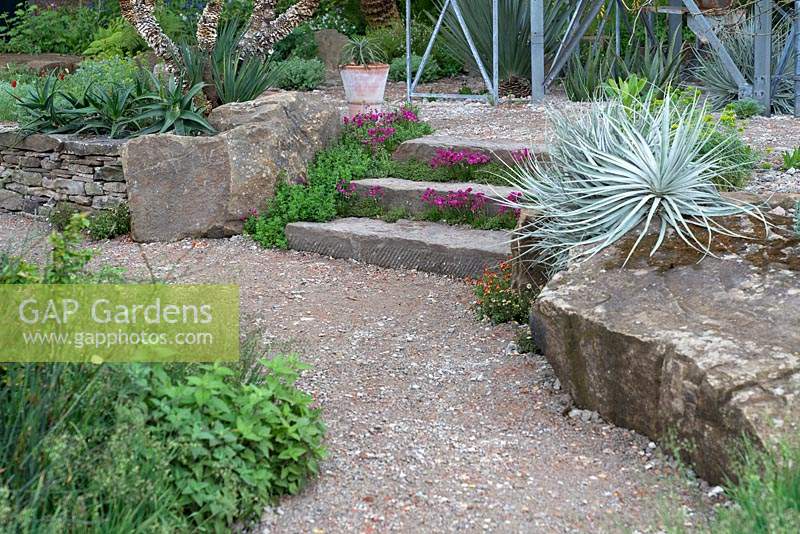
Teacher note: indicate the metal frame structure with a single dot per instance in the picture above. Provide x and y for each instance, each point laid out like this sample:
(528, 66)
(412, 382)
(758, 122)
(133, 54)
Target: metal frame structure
(584, 14)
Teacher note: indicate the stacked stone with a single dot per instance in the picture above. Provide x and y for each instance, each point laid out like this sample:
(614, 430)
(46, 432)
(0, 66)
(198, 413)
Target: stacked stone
(39, 171)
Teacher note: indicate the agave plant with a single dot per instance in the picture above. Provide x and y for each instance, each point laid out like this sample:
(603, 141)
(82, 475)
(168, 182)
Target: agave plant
(740, 43)
(618, 169)
(169, 108)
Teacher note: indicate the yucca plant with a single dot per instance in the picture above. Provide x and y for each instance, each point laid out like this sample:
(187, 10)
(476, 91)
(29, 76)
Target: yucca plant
(740, 43)
(515, 40)
(586, 72)
(618, 169)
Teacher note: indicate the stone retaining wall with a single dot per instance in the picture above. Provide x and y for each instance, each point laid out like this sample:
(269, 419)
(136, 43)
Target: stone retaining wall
(39, 171)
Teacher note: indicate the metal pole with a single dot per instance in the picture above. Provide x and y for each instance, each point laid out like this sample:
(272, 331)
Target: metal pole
(676, 28)
(537, 50)
(617, 29)
(408, 51)
(797, 58)
(495, 53)
(763, 54)
(470, 42)
(569, 47)
(428, 49)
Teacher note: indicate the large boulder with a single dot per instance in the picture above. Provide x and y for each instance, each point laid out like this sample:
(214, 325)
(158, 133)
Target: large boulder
(330, 44)
(205, 186)
(707, 349)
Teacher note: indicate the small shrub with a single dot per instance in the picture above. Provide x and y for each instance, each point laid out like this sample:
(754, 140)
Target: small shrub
(298, 44)
(61, 214)
(791, 159)
(118, 39)
(101, 73)
(300, 74)
(745, 108)
(110, 223)
(63, 30)
(237, 445)
(397, 69)
(497, 300)
(525, 343)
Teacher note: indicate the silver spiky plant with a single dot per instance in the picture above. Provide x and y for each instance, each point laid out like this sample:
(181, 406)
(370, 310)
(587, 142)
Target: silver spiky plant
(617, 169)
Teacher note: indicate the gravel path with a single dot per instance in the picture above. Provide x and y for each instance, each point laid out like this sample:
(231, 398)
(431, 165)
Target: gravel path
(435, 422)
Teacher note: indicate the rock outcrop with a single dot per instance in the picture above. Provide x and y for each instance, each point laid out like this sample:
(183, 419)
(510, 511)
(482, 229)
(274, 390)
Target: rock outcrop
(205, 186)
(708, 350)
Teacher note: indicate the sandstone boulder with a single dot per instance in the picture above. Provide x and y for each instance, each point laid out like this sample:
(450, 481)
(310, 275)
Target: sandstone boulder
(330, 44)
(205, 186)
(709, 350)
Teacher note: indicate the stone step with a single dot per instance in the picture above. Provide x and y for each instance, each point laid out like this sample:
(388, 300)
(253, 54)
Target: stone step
(425, 246)
(395, 193)
(424, 148)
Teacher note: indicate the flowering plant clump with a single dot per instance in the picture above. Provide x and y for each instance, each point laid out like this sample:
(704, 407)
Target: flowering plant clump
(458, 164)
(350, 203)
(385, 130)
(497, 299)
(467, 207)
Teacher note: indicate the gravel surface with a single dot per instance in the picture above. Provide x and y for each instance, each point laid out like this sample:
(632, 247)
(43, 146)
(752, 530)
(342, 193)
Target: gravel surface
(435, 423)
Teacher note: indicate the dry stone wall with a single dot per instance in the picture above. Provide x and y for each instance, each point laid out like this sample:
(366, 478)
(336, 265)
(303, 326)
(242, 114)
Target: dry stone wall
(39, 171)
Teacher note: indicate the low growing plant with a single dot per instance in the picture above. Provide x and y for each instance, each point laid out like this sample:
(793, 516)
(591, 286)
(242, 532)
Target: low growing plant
(498, 300)
(110, 223)
(397, 69)
(791, 159)
(745, 108)
(300, 74)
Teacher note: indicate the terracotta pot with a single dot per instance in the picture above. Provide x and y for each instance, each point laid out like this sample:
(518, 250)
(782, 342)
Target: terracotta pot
(364, 85)
(714, 5)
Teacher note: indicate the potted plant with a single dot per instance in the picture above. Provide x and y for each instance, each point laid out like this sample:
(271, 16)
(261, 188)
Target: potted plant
(364, 73)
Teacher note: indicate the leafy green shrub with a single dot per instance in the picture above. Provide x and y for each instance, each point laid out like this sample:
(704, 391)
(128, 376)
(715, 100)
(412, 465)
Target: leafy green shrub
(497, 300)
(101, 73)
(525, 343)
(110, 223)
(615, 168)
(300, 43)
(745, 108)
(397, 69)
(119, 38)
(63, 30)
(61, 214)
(791, 159)
(392, 40)
(237, 445)
(300, 74)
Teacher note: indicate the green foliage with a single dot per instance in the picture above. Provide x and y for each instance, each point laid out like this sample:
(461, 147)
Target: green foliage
(628, 91)
(300, 74)
(237, 445)
(110, 223)
(765, 498)
(586, 73)
(168, 108)
(236, 79)
(63, 30)
(119, 38)
(525, 343)
(392, 40)
(300, 43)
(497, 300)
(101, 74)
(736, 159)
(745, 108)
(791, 159)
(362, 51)
(617, 169)
(397, 69)
(61, 215)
